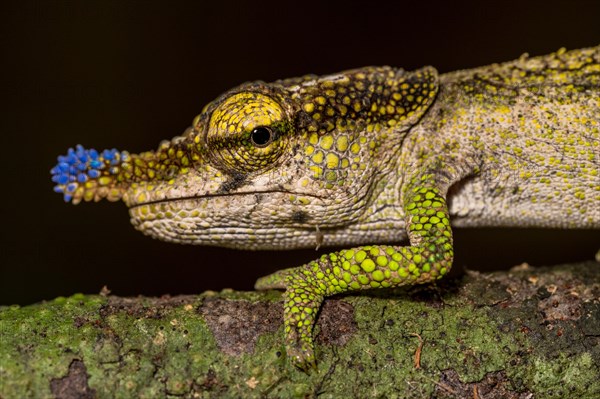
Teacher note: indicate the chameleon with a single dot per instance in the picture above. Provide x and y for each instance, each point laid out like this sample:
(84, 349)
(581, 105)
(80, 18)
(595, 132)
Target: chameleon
(365, 159)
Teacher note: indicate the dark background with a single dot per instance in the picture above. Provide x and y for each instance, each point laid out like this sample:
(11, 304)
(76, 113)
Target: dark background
(128, 74)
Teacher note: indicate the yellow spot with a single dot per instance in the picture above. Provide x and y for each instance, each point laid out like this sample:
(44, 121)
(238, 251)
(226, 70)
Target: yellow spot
(321, 100)
(313, 139)
(326, 142)
(317, 171)
(318, 157)
(332, 160)
(309, 107)
(342, 143)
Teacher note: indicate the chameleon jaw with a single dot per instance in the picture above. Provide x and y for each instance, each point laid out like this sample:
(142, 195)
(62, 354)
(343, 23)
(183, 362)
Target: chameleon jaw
(249, 219)
(133, 204)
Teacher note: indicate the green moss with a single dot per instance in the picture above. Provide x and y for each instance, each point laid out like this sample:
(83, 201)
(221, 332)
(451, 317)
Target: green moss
(40, 341)
(473, 327)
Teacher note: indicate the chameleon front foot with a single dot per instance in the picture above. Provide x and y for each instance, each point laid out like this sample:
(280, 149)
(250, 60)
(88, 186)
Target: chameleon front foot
(301, 352)
(302, 300)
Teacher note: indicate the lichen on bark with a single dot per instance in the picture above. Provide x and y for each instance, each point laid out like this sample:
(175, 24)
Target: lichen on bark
(505, 334)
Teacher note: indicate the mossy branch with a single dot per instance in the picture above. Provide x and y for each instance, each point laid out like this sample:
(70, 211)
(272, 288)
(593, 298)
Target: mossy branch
(527, 331)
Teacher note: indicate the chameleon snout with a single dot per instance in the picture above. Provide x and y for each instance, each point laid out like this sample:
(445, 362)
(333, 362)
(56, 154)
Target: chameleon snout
(88, 175)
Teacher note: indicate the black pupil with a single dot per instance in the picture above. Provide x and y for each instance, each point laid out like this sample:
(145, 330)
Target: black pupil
(261, 136)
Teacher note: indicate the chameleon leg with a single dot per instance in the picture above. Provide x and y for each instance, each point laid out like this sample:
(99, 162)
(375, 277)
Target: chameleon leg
(428, 258)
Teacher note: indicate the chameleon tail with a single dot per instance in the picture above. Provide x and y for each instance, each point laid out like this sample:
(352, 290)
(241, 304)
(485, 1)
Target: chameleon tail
(90, 175)
(275, 281)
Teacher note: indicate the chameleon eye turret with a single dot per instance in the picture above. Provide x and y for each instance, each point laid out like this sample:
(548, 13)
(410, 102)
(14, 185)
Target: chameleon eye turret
(247, 132)
(365, 157)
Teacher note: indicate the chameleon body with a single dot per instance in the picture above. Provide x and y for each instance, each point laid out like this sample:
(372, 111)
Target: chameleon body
(365, 157)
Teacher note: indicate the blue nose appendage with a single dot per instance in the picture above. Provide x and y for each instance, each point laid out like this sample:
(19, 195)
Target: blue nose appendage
(88, 174)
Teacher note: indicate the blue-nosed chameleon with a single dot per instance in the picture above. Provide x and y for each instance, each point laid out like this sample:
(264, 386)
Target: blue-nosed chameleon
(362, 157)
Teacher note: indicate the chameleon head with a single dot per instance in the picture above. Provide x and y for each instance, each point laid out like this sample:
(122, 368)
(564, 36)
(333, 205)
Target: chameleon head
(267, 165)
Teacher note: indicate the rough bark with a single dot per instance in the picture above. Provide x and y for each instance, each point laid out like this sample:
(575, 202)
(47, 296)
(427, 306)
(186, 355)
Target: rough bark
(528, 332)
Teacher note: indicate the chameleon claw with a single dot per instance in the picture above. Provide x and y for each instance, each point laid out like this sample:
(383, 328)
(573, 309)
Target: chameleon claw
(303, 358)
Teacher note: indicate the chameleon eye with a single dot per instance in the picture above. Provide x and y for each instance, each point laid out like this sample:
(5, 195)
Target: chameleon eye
(247, 132)
(261, 136)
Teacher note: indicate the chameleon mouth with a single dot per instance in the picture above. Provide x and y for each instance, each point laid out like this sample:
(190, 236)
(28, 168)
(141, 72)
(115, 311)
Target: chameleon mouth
(219, 195)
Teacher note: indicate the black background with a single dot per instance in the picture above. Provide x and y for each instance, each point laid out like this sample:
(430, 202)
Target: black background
(128, 74)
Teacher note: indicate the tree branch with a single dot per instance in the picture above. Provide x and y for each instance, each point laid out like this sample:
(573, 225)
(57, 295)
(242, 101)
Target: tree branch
(516, 334)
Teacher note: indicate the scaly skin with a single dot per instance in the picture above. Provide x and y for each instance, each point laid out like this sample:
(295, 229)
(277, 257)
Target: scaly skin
(372, 155)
